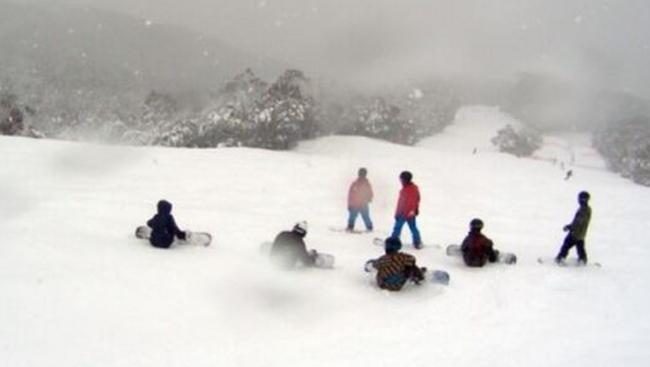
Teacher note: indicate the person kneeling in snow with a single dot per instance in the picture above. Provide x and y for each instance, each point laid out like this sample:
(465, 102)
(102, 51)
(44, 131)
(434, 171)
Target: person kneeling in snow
(289, 248)
(476, 248)
(164, 228)
(395, 268)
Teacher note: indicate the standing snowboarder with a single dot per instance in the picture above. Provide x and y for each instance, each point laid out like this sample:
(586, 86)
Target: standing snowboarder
(289, 248)
(408, 207)
(477, 249)
(395, 268)
(359, 196)
(577, 231)
(164, 228)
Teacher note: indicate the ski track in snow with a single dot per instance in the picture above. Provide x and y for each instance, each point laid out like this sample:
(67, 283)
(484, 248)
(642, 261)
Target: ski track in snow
(77, 289)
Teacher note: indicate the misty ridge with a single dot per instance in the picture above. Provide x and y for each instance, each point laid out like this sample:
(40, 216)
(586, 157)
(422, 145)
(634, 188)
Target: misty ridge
(78, 73)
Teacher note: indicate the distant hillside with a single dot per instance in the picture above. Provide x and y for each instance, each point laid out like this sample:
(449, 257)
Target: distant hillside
(64, 49)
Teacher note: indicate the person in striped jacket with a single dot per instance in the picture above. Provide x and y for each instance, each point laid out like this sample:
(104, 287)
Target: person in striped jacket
(395, 268)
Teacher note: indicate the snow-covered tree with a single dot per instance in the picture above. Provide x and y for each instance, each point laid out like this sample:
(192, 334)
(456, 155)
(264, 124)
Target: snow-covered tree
(626, 147)
(379, 119)
(522, 143)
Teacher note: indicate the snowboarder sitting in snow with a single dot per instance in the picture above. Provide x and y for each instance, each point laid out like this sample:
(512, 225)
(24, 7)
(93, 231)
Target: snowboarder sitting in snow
(359, 196)
(289, 248)
(395, 268)
(577, 231)
(164, 227)
(476, 248)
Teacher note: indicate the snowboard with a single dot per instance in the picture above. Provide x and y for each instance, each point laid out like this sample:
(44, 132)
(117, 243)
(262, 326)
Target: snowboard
(191, 238)
(568, 263)
(380, 242)
(345, 230)
(322, 260)
(504, 257)
(432, 276)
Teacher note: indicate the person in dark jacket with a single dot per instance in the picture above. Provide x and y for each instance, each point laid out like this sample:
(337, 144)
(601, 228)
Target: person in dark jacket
(395, 268)
(289, 248)
(577, 231)
(477, 249)
(164, 228)
(359, 196)
(408, 207)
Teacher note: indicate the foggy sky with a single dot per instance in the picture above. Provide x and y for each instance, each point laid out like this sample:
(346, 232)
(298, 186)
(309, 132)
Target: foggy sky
(600, 42)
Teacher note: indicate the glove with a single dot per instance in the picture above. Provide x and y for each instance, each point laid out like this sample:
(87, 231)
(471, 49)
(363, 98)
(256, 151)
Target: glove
(567, 228)
(182, 236)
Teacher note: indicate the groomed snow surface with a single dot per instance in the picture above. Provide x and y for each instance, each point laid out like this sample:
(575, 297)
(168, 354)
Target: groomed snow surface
(77, 289)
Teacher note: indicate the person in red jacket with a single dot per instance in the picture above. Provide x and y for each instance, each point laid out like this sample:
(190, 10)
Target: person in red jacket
(476, 248)
(408, 207)
(359, 196)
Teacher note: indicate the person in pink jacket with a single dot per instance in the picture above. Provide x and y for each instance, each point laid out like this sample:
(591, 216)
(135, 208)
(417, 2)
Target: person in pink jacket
(359, 196)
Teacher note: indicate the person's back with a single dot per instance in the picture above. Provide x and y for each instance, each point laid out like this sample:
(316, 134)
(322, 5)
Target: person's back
(360, 193)
(580, 224)
(395, 268)
(164, 227)
(289, 247)
(477, 249)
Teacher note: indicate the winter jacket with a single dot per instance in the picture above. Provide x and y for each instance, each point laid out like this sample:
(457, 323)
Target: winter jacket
(289, 248)
(408, 205)
(164, 227)
(477, 249)
(360, 193)
(578, 228)
(393, 270)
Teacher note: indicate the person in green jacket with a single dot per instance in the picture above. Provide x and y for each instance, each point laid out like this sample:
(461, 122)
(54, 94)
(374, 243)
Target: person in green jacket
(577, 231)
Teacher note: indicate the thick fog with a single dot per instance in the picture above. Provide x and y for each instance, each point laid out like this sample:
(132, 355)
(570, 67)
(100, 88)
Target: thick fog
(601, 42)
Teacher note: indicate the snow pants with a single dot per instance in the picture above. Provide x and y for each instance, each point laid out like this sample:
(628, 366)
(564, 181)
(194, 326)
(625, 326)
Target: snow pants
(569, 242)
(365, 215)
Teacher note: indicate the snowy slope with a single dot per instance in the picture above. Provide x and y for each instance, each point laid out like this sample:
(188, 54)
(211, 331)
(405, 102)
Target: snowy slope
(76, 289)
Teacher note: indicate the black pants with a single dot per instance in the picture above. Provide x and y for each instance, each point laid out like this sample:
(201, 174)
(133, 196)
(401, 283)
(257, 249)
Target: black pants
(569, 242)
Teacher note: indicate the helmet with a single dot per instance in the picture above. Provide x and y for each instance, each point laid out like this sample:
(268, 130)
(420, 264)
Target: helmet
(392, 245)
(583, 196)
(300, 228)
(476, 224)
(406, 176)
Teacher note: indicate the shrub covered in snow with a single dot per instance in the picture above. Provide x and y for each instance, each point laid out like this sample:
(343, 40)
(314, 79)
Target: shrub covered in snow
(520, 143)
(626, 147)
(382, 120)
(12, 117)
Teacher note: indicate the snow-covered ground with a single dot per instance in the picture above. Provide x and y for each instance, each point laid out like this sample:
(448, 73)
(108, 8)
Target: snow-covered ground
(77, 289)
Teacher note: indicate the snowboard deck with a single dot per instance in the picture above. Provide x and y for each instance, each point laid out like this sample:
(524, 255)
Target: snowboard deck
(435, 276)
(380, 242)
(345, 230)
(192, 238)
(504, 257)
(573, 263)
(322, 261)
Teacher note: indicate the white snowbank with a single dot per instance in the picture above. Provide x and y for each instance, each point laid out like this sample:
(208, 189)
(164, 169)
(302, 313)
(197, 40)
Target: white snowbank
(78, 290)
